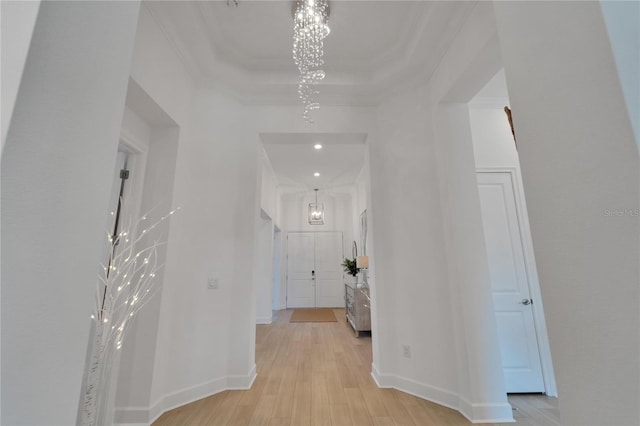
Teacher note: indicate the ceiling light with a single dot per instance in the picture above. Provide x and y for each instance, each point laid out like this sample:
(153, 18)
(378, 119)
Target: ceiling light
(316, 174)
(317, 146)
(309, 30)
(316, 212)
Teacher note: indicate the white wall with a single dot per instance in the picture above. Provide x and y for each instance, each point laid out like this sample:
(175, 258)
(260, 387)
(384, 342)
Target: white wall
(264, 270)
(338, 212)
(493, 144)
(136, 370)
(135, 129)
(269, 218)
(361, 186)
(18, 19)
(443, 313)
(360, 200)
(580, 170)
(327, 119)
(205, 338)
(410, 277)
(269, 252)
(471, 61)
(213, 237)
(56, 178)
(622, 19)
(276, 281)
(423, 174)
(269, 199)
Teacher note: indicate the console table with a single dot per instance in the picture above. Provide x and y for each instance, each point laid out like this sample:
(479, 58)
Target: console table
(357, 306)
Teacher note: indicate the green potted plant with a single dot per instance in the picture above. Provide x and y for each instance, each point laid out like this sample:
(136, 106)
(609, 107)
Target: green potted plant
(351, 268)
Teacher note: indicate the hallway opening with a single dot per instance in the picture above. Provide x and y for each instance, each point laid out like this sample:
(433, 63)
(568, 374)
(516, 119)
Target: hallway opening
(320, 374)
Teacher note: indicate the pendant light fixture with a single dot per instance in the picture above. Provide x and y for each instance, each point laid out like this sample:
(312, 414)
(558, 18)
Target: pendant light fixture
(316, 212)
(310, 28)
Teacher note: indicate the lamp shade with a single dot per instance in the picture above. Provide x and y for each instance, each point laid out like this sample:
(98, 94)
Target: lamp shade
(362, 262)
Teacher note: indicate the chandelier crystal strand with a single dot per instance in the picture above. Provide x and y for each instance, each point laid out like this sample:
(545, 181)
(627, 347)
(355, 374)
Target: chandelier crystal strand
(310, 28)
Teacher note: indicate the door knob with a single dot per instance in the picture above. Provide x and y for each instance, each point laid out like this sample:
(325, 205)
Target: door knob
(526, 302)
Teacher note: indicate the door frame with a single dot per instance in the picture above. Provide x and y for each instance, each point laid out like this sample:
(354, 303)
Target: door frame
(277, 266)
(286, 280)
(531, 271)
(137, 152)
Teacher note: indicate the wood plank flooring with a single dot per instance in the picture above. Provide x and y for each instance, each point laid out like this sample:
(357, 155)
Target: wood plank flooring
(535, 410)
(317, 374)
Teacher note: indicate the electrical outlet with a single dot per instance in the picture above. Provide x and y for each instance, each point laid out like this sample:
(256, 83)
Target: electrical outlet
(406, 351)
(213, 283)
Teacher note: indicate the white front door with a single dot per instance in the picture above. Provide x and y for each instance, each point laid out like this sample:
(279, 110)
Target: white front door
(509, 283)
(301, 292)
(329, 285)
(314, 272)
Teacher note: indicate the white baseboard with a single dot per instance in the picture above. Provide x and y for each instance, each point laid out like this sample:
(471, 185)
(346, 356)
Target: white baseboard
(131, 416)
(430, 393)
(242, 381)
(475, 413)
(144, 416)
(264, 320)
(486, 413)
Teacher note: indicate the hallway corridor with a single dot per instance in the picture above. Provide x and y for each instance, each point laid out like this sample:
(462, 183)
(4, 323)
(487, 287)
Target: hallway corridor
(319, 374)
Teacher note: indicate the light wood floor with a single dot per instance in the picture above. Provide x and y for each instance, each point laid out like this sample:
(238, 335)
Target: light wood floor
(319, 374)
(535, 410)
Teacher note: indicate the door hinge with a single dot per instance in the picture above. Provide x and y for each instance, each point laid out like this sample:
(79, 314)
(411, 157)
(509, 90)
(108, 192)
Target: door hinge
(124, 174)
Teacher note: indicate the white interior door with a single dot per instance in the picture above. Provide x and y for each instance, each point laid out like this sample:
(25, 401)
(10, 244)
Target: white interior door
(314, 277)
(329, 284)
(509, 284)
(301, 264)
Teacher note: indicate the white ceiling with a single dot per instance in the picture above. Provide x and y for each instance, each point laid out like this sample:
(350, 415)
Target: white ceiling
(375, 48)
(263, 33)
(295, 160)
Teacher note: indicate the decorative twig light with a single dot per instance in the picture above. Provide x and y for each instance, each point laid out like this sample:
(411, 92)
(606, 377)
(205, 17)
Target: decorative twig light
(124, 286)
(310, 28)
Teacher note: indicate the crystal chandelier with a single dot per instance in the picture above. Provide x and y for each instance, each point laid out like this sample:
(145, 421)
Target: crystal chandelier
(310, 28)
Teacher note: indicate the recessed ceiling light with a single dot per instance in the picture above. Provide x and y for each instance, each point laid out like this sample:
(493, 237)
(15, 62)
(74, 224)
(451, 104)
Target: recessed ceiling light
(316, 174)
(317, 146)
